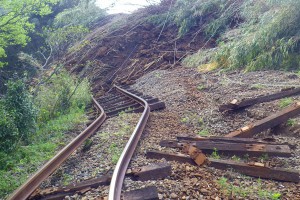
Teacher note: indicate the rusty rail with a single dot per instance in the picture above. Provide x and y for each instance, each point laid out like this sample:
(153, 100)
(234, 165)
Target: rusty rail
(25, 190)
(123, 162)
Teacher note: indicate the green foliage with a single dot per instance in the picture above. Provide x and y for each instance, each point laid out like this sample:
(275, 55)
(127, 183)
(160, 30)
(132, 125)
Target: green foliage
(291, 122)
(215, 154)
(15, 167)
(17, 116)
(267, 37)
(14, 21)
(61, 94)
(115, 153)
(203, 132)
(212, 16)
(285, 102)
(245, 191)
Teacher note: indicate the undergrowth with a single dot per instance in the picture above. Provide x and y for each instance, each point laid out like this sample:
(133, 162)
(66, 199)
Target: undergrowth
(59, 107)
(261, 35)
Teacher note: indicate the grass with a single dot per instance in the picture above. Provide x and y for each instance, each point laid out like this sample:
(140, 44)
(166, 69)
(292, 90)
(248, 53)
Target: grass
(215, 154)
(17, 166)
(291, 122)
(203, 132)
(285, 102)
(228, 189)
(115, 153)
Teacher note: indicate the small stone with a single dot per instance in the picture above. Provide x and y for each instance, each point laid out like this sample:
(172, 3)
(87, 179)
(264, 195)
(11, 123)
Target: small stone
(204, 191)
(67, 198)
(174, 196)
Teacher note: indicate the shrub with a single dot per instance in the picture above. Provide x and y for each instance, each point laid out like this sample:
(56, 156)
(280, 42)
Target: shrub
(9, 133)
(61, 94)
(20, 109)
(267, 38)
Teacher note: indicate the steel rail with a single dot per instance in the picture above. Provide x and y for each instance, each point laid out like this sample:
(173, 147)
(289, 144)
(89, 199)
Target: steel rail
(123, 162)
(25, 190)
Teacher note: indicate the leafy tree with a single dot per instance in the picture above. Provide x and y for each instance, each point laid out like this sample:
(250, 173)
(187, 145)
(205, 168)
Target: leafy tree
(14, 21)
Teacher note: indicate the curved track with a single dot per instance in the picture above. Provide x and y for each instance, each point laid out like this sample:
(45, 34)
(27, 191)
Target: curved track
(115, 101)
(25, 190)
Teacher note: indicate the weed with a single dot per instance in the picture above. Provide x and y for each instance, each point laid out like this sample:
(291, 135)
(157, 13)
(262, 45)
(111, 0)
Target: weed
(201, 87)
(87, 145)
(184, 120)
(285, 102)
(229, 189)
(235, 158)
(257, 86)
(215, 154)
(115, 152)
(264, 158)
(291, 122)
(203, 132)
(67, 178)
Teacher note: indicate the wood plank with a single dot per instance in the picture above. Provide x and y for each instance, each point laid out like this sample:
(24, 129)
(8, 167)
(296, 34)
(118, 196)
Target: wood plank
(278, 174)
(148, 193)
(238, 149)
(150, 172)
(266, 123)
(227, 139)
(234, 105)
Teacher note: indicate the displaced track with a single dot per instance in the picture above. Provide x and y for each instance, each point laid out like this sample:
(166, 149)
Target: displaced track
(115, 101)
(25, 190)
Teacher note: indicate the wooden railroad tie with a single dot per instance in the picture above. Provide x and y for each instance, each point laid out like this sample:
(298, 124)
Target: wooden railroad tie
(231, 148)
(235, 105)
(266, 123)
(251, 169)
(149, 172)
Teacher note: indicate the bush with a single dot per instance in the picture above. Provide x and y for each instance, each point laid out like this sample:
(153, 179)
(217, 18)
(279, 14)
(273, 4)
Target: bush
(17, 116)
(267, 37)
(60, 95)
(9, 134)
(212, 16)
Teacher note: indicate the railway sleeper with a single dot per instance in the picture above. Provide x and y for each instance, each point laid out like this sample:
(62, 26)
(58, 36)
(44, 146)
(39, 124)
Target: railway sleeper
(128, 103)
(235, 105)
(149, 172)
(153, 106)
(238, 149)
(258, 170)
(266, 123)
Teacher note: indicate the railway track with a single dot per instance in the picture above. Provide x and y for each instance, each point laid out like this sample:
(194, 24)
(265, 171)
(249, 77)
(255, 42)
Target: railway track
(111, 104)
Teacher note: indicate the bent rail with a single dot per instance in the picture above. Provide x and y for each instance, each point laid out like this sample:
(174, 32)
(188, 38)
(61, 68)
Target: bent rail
(123, 162)
(25, 190)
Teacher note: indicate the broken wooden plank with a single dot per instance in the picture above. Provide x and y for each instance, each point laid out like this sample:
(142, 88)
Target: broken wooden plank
(150, 172)
(226, 139)
(148, 193)
(266, 123)
(243, 168)
(278, 174)
(235, 105)
(238, 149)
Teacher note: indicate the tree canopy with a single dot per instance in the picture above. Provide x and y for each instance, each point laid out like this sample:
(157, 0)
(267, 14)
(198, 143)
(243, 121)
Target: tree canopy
(15, 24)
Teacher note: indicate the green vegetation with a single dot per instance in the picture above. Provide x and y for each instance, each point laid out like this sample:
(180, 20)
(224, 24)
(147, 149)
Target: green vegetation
(115, 153)
(256, 190)
(215, 154)
(291, 122)
(32, 130)
(285, 102)
(15, 24)
(203, 132)
(249, 34)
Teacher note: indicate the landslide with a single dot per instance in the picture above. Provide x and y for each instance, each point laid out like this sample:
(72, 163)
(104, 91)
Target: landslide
(122, 48)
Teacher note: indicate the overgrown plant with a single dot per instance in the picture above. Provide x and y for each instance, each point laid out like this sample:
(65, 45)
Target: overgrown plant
(60, 94)
(17, 116)
(267, 37)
